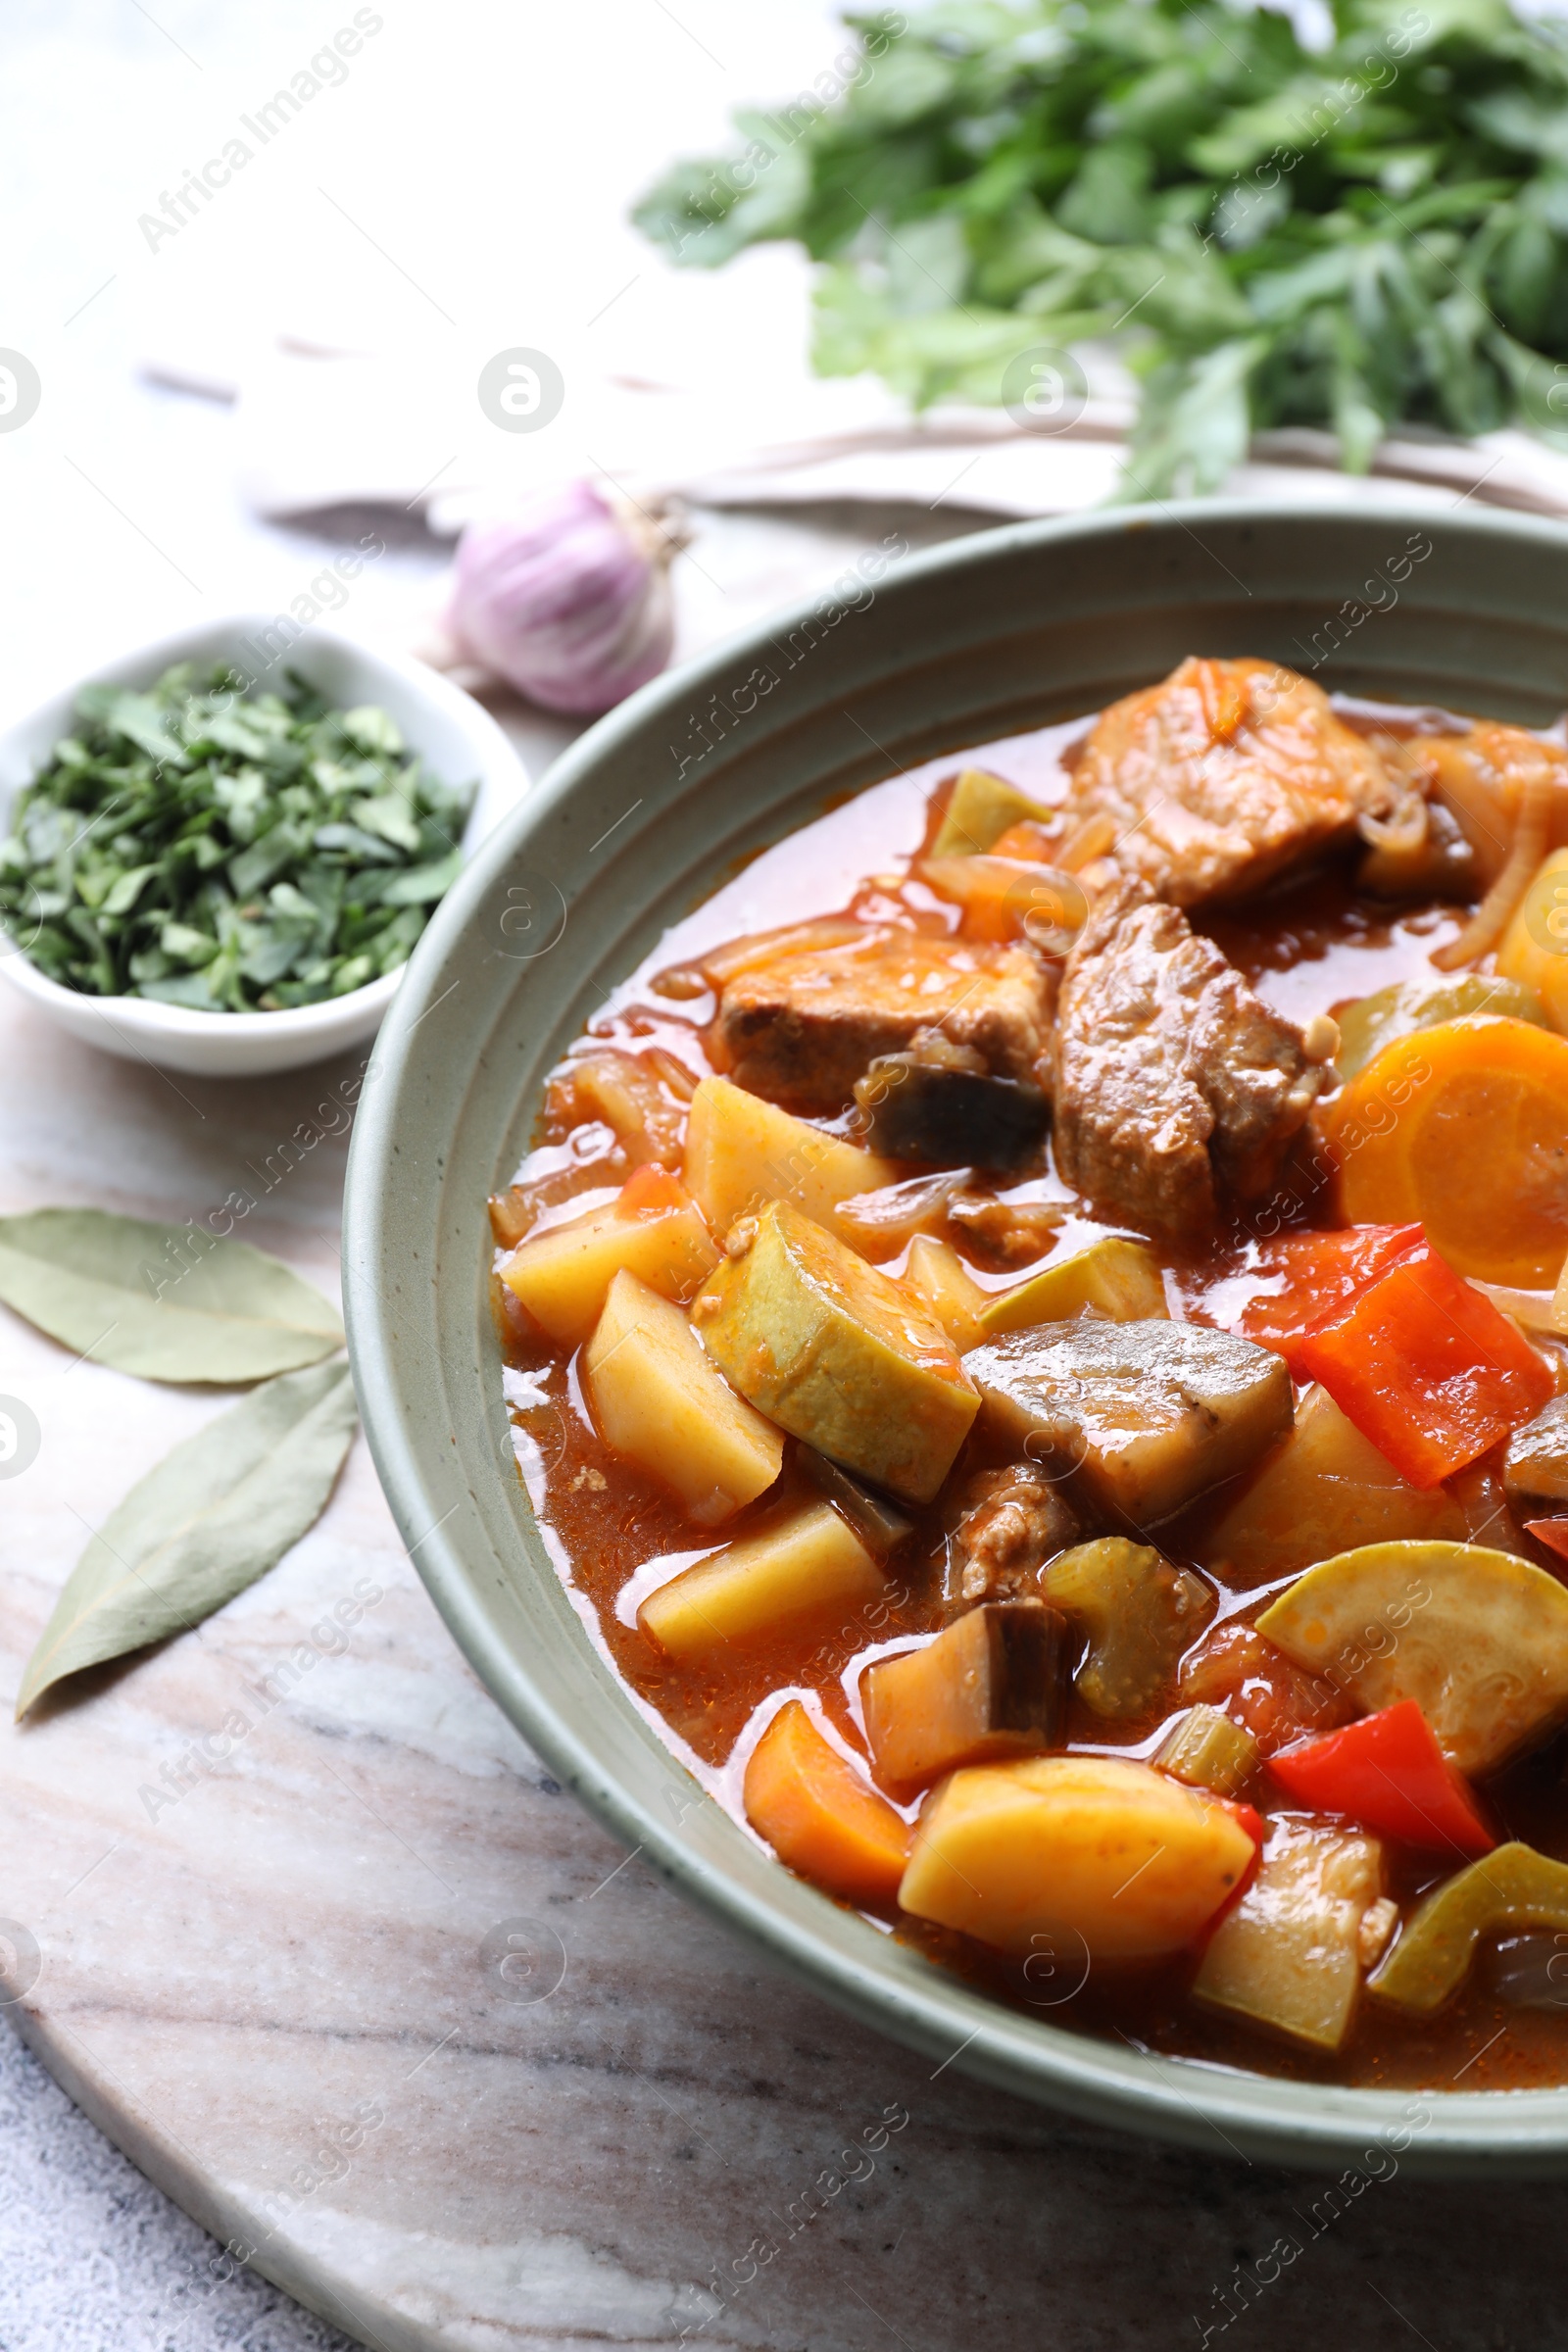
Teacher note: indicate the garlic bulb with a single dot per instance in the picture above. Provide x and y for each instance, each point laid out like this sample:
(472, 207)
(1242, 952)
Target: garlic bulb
(568, 598)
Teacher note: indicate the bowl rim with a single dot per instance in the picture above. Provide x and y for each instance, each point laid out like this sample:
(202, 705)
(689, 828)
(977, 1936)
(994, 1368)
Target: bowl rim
(1308, 2124)
(145, 1016)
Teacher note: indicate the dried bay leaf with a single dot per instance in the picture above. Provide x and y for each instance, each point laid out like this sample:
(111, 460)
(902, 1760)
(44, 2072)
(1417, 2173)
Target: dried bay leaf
(211, 1518)
(165, 1301)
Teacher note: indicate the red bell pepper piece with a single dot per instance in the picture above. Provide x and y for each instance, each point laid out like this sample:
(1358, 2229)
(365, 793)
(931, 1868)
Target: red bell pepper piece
(1389, 1773)
(1252, 1821)
(1319, 1273)
(1247, 1817)
(1426, 1367)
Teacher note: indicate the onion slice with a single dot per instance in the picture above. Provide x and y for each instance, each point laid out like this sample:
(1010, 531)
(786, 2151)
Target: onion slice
(1496, 909)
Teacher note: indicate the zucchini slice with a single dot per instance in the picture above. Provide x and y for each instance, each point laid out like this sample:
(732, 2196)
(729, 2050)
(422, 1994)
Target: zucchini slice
(1476, 1638)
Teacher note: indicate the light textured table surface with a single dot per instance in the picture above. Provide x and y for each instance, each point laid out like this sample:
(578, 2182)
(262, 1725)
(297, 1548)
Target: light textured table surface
(283, 1996)
(286, 1994)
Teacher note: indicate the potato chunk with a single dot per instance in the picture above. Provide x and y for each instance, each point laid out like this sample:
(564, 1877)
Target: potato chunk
(936, 1270)
(741, 1152)
(1288, 1957)
(654, 1230)
(1070, 1848)
(809, 1566)
(836, 1353)
(658, 1400)
(1327, 1490)
(994, 1684)
(1147, 1415)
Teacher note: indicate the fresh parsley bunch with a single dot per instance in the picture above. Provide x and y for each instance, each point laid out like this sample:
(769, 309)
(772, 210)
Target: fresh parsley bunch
(1353, 237)
(228, 850)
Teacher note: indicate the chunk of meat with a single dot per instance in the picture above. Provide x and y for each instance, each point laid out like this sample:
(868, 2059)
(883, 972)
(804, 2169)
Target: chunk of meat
(1223, 776)
(1167, 1071)
(801, 1029)
(1005, 1232)
(1013, 1522)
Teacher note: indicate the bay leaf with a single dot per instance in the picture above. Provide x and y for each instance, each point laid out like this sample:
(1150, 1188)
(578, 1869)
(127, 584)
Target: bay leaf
(211, 1518)
(166, 1301)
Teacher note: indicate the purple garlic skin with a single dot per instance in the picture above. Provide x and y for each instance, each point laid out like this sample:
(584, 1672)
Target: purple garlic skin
(568, 599)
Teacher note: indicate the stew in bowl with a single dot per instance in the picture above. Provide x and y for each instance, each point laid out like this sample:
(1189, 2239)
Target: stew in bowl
(1032, 1328)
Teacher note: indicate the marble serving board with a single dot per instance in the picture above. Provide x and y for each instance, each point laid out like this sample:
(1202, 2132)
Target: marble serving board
(296, 1917)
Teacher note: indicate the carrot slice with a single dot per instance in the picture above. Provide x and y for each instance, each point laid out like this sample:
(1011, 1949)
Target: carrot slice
(1010, 898)
(820, 1815)
(1464, 1128)
(1026, 839)
(1222, 693)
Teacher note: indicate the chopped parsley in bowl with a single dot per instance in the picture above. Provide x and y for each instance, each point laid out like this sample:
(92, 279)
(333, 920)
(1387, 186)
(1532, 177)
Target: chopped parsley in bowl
(225, 851)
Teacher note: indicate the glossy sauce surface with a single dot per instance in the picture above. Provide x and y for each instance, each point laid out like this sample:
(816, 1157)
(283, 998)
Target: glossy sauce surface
(617, 1536)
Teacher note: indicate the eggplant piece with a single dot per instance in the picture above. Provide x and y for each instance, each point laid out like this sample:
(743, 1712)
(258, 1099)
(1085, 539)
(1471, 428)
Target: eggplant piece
(1015, 1520)
(1534, 1468)
(993, 1685)
(1531, 1971)
(940, 1103)
(1144, 1416)
(1138, 1614)
(880, 1528)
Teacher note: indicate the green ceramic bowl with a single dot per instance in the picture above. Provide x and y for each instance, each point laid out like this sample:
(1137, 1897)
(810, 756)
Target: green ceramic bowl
(980, 639)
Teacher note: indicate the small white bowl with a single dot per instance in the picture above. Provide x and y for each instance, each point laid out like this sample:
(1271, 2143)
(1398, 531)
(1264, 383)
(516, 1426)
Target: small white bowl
(457, 739)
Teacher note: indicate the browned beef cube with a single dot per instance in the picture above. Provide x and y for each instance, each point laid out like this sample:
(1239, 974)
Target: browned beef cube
(1013, 1522)
(1223, 776)
(1168, 1071)
(801, 1030)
